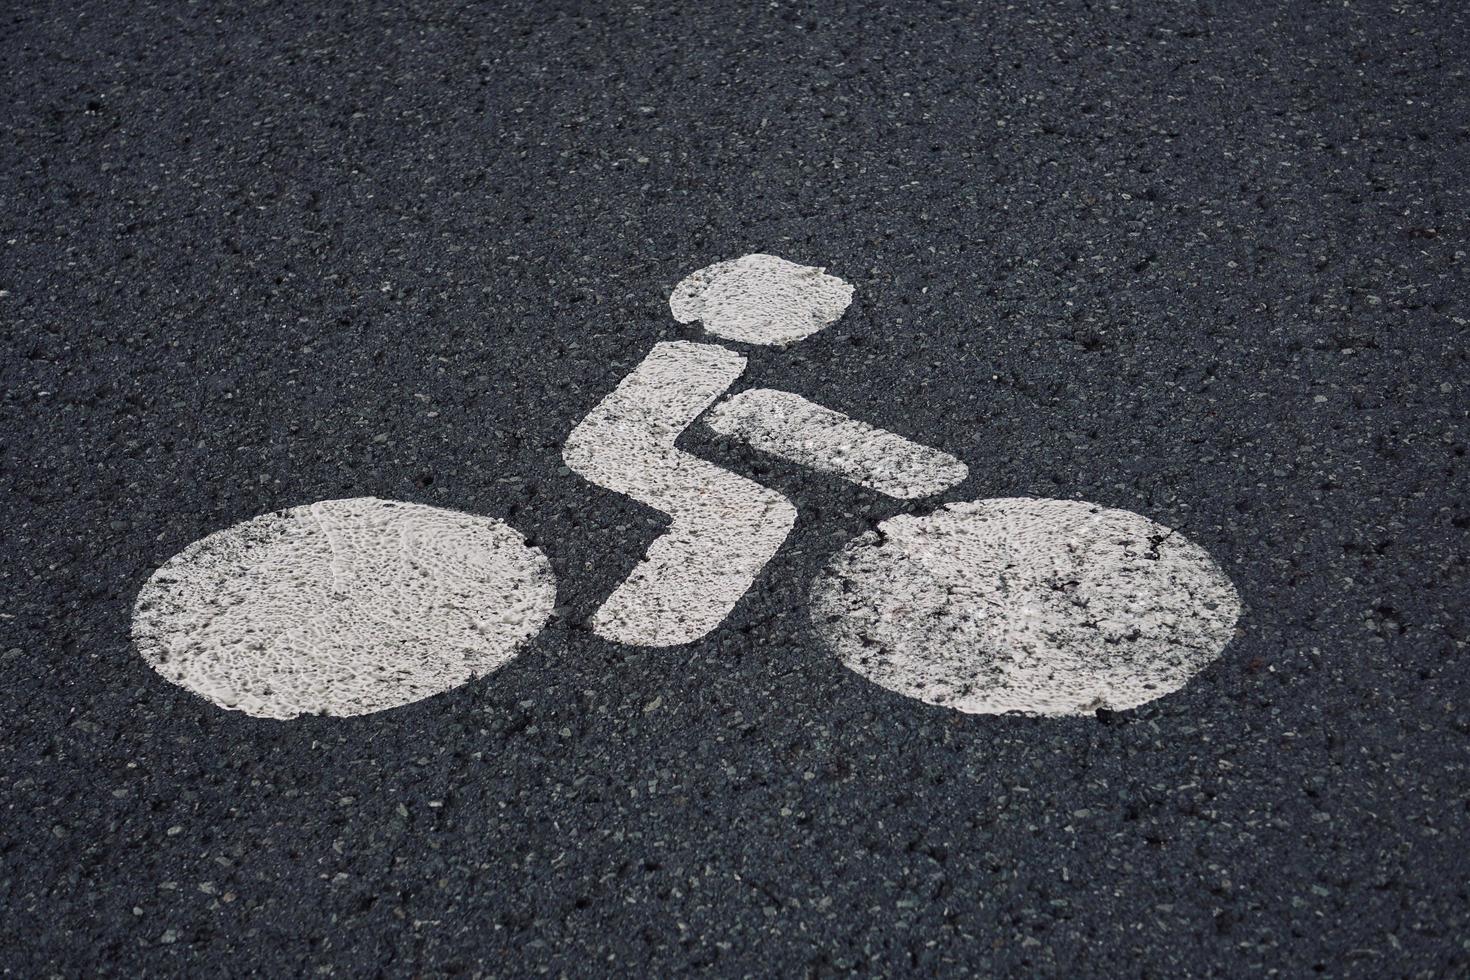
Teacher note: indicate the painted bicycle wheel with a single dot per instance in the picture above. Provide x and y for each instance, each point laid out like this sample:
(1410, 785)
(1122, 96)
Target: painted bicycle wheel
(1046, 607)
(342, 607)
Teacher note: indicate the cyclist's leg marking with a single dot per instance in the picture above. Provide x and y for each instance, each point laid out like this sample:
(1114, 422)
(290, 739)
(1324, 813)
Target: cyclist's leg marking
(760, 299)
(725, 527)
(342, 607)
(1049, 607)
(789, 426)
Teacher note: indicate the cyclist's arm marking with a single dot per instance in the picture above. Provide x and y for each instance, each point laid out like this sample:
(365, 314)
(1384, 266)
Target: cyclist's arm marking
(725, 527)
(789, 426)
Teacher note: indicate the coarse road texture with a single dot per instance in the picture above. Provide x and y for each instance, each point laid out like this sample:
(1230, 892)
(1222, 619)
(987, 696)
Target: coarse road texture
(1205, 262)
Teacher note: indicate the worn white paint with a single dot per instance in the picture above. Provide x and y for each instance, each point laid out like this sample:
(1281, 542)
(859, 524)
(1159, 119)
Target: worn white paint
(1048, 607)
(724, 527)
(761, 299)
(342, 607)
(789, 426)
(1045, 607)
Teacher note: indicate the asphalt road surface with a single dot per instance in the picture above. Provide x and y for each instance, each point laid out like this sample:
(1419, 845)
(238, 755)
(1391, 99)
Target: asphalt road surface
(1205, 262)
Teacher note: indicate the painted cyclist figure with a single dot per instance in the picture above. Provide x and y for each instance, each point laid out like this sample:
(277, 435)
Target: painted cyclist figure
(1051, 607)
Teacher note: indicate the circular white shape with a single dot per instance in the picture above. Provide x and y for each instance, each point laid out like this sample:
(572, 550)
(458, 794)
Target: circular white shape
(761, 299)
(1047, 607)
(342, 607)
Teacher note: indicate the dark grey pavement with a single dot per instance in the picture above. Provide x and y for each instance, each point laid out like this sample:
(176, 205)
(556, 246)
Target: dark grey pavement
(1206, 262)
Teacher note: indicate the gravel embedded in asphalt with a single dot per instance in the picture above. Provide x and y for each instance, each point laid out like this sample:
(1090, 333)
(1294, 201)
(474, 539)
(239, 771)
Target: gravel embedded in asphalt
(1202, 263)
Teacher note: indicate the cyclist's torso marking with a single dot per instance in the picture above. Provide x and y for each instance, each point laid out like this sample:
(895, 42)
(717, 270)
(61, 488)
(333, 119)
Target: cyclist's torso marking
(725, 528)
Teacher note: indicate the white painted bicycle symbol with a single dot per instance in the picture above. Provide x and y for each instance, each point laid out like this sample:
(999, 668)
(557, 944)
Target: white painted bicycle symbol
(1052, 607)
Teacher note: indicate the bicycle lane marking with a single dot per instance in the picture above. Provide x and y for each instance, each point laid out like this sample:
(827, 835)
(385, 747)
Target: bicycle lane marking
(342, 607)
(1008, 604)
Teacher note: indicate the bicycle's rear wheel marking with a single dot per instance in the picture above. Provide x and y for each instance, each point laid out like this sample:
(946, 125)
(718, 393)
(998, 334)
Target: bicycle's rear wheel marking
(342, 607)
(1048, 607)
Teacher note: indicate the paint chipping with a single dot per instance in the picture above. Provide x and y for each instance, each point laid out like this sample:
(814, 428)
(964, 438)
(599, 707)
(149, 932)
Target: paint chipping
(342, 607)
(789, 426)
(761, 299)
(1047, 607)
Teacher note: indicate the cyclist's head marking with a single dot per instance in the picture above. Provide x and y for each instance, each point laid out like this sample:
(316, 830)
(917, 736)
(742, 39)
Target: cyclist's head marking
(761, 299)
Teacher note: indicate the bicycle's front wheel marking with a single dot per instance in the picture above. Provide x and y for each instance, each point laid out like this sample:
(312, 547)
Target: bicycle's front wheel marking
(1048, 607)
(342, 607)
